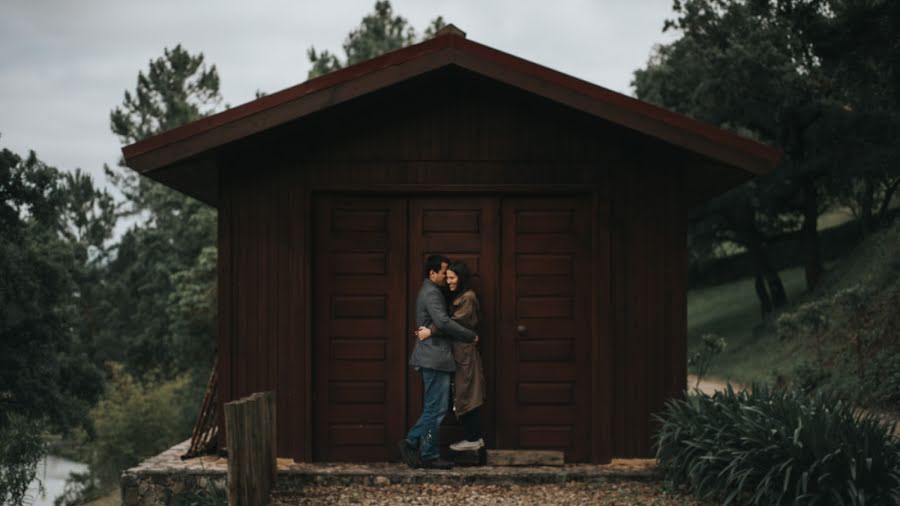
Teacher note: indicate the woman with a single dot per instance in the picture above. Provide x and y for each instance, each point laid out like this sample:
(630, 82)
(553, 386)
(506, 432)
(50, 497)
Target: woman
(470, 390)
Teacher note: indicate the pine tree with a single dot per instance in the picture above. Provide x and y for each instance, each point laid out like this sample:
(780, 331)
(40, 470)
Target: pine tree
(173, 230)
(378, 33)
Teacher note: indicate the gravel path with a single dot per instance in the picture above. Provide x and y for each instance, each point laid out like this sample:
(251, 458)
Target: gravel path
(710, 386)
(573, 493)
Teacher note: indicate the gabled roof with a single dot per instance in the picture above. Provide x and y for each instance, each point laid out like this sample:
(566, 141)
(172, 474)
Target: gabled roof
(449, 47)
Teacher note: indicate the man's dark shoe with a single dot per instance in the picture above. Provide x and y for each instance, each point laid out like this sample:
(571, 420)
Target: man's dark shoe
(437, 464)
(408, 454)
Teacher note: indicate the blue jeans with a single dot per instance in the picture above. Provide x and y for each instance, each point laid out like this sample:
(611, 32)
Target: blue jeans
(426, 433)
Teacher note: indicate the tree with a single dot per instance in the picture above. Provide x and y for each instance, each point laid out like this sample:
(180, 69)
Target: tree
(178, 88)
(856, 45)
(721, 71)
(734, 217)
(168, 251)
(88, 218)
(174, 230)
(379, 32)
(45, 384)
(748, 66)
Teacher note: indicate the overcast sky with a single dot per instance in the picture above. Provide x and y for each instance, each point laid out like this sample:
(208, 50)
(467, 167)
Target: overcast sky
(65, 64)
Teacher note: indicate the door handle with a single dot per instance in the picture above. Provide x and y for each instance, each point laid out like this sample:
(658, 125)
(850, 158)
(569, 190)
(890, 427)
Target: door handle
(522, 330)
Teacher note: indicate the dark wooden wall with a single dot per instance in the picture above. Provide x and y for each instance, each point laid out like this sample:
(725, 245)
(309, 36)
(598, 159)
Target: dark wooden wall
(648, 231)
(263, 297)
(450, 133)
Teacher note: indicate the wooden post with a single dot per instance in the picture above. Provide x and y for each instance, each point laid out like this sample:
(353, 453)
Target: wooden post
(273, 428)
(250, 435)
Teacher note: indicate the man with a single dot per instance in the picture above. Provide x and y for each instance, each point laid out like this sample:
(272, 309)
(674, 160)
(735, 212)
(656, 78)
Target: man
(433, 358)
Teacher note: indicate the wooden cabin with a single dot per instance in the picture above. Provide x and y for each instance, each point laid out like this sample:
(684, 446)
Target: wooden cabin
(569, 201)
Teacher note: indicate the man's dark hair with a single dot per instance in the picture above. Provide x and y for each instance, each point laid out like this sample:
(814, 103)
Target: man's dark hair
(433, 263)
(463, 275)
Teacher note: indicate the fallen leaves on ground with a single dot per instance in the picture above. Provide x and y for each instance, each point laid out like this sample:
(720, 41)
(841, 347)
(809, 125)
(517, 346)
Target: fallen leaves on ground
(602, 493)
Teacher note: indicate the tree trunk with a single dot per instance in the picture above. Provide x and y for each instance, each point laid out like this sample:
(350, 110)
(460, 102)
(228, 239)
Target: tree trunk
(772, 296)
(868, 197)
(776, 287)
(886, 203)
(810, 234)
(765, 302)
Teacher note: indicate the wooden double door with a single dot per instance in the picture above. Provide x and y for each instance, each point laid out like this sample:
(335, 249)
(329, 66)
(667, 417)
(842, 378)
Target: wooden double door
(530, 257)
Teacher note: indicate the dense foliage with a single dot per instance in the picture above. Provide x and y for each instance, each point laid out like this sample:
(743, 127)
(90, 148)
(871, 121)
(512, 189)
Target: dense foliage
(41, 374)
(72, 298)
(160, 258)
(45, 380)
(766, 446)
(147, 312)
(815, 78)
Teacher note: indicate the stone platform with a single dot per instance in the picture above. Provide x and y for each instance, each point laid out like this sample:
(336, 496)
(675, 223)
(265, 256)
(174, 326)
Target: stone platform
(159, 479)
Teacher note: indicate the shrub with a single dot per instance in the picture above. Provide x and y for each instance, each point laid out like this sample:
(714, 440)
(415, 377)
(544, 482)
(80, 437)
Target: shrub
(808, 376)
(811, 318)
(881, 381)
(778, 447)
(134, 420)
(699, 361)
(211, 495)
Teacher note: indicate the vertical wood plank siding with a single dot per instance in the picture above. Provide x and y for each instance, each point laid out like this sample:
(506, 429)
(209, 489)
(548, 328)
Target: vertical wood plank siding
(649, 303)
(262, 302)
(224, 290)
(446, 133)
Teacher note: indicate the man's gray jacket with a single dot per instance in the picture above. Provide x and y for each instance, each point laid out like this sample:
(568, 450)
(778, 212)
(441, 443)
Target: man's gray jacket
(435, 352)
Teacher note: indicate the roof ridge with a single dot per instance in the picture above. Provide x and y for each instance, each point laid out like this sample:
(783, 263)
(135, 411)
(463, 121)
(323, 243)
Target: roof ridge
(629, 112)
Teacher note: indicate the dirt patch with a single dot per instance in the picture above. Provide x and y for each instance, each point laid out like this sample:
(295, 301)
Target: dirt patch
(710, 386)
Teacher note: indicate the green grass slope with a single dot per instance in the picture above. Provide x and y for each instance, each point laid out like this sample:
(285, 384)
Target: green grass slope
(844, 336)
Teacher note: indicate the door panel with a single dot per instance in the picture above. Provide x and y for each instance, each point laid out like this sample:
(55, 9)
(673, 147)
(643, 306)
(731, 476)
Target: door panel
(464, 230)
(531, 269)
(359, 305)
(543, 360)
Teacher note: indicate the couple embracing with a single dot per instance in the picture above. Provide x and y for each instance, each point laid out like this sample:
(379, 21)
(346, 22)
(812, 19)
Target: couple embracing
(445, 349)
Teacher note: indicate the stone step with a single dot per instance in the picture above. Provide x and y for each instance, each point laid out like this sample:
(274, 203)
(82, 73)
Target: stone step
(159, 479)
(299, 475)
(524, 458)
(469, 458)
(507, 458)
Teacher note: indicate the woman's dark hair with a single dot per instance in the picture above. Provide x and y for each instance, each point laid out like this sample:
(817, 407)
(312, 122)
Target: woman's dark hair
(463, 274)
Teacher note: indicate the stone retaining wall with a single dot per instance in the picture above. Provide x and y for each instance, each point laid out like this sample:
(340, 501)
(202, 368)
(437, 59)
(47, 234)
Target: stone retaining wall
(165, 478)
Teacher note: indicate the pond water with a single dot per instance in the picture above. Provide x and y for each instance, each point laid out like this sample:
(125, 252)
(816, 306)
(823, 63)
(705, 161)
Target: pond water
(52, 471)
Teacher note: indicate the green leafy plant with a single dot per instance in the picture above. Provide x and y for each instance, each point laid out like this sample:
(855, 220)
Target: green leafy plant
(810, 318)
(764, 446)
(211, 495)
(852, 302)
(808, 376)
(21, 449)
